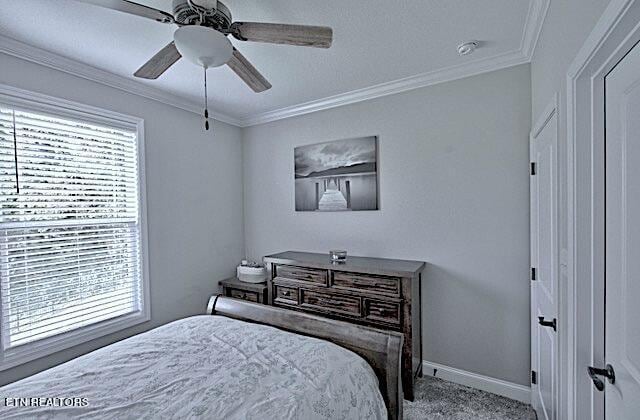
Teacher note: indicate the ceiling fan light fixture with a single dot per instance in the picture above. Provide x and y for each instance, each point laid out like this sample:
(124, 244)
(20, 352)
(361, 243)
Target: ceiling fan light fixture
(203, 46)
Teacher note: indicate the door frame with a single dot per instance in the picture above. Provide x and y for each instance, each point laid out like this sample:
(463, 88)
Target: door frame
(542, 122)
(617, 31)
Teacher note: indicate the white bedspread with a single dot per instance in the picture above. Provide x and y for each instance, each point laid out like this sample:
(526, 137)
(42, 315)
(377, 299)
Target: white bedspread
(208, 367)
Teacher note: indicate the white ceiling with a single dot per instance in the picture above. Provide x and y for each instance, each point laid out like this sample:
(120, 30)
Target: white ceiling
(375, 42)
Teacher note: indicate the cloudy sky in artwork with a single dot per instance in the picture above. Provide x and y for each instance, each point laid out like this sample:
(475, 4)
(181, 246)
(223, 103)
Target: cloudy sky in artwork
(334, 154)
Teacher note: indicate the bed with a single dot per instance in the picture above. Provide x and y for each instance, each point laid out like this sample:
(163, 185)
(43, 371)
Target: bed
(247, 361)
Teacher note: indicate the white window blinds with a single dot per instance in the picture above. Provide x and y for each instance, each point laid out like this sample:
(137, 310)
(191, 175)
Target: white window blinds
(69, 225)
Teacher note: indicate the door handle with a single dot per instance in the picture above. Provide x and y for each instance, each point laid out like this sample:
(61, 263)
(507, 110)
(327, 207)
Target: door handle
(552, 324)
(607, 372)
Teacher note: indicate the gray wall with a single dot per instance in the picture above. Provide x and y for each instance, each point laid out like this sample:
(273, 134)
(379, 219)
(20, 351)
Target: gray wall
(454, 191)
(194, 198)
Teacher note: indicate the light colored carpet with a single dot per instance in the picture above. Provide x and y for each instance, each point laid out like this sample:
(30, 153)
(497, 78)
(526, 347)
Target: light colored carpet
(439, 399)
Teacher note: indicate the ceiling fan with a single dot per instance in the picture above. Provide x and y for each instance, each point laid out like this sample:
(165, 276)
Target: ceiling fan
(213, 20)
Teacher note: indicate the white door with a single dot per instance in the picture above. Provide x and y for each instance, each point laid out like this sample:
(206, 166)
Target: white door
(544, 263)
(622, 273)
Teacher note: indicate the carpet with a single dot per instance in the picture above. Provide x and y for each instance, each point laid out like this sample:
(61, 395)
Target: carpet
(440, 399)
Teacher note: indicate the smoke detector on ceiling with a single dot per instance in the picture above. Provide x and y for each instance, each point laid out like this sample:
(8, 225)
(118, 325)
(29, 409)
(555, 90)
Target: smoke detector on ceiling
(467, 48)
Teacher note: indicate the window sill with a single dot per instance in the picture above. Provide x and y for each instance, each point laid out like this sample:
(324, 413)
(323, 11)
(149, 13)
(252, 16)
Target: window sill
(26, 353)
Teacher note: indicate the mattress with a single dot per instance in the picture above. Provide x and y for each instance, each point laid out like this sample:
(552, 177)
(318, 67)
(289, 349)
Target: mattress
(205, 366)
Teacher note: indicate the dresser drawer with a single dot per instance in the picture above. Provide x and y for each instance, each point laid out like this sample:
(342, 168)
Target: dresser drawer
(366, 283)
(308, 275)
(331, 303)
(244, 295)
(284, 294)
(378, 311)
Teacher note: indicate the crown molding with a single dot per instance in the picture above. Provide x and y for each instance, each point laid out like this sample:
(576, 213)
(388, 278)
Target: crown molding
(533, 26)
(535, 18)
(390, 88)
(36, 55)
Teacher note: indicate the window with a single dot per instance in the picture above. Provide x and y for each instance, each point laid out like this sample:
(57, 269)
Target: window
(71, 260)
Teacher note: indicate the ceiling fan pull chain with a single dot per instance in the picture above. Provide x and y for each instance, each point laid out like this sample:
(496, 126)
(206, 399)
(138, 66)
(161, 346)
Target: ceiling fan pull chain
(206, 102)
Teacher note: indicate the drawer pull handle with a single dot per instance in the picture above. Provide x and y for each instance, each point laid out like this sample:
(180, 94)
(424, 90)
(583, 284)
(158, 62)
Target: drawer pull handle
(301, 275)
(330, 302)
(385, 312)
(286, 293)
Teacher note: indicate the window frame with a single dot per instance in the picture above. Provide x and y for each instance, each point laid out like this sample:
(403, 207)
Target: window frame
(36, 102)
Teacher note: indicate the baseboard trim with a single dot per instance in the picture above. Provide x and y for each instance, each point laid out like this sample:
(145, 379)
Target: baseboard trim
(474, 380)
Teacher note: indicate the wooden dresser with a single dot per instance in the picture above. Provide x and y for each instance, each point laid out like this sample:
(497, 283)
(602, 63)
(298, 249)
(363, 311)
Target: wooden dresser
(376, 292)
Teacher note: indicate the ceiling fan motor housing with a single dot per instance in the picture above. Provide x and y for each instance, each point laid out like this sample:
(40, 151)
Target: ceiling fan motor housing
(218, 19)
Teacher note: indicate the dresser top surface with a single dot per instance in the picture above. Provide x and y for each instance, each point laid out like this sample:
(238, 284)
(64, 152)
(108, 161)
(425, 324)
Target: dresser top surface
(384, 266)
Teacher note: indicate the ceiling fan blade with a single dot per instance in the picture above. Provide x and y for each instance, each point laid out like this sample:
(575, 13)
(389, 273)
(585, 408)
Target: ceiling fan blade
(276, 33)
(134, 9)
(159, 63)
(245, 70)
